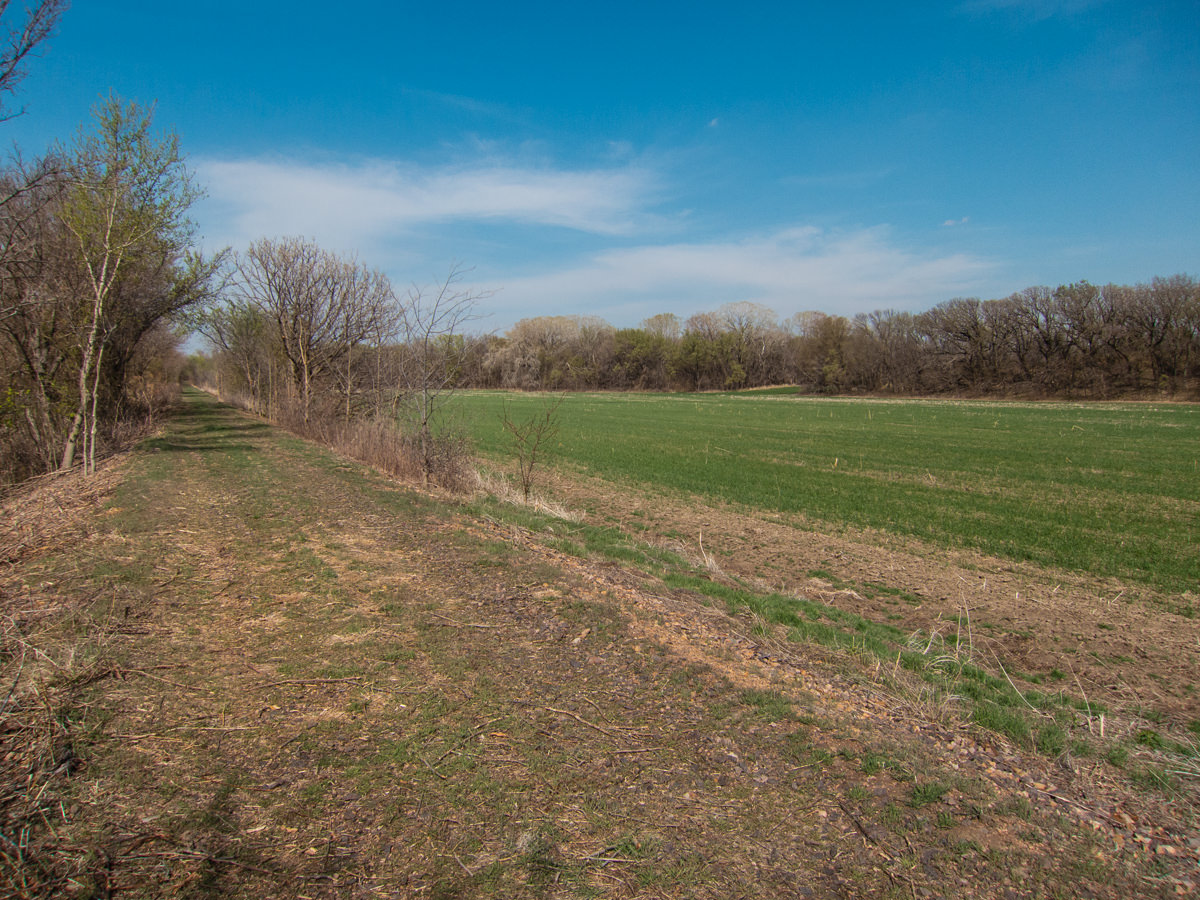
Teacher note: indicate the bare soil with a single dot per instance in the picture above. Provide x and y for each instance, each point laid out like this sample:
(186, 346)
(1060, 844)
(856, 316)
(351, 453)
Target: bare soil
(242, 667)
(1118, 643)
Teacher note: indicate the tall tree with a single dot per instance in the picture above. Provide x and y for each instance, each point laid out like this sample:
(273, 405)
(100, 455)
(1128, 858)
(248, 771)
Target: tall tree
(21, 34)
(127, 203)
(37, 315)
(321, 306)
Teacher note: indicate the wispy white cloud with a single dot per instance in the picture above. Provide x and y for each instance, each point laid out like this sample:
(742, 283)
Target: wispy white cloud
(789, 270)
(466, 104)
(615, 270)
(955, 223)
(348, 206)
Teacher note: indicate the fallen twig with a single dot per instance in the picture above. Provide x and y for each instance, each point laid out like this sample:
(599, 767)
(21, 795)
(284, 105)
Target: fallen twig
(457, 624)
(583, 721)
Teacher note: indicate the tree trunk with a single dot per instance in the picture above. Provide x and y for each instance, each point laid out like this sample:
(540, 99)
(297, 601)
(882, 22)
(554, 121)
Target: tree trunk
(85, 371)
(89, 463)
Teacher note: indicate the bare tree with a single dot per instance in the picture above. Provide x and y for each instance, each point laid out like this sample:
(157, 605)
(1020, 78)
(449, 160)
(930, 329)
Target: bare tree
(37, 318)
(23, 34)
(530, 437)
(1165, 315)
(21, 39)
(431, 320)
(551, 352)
(368, 310)
(756, 345)
(663, 325)
(242, 335)
(320, 306)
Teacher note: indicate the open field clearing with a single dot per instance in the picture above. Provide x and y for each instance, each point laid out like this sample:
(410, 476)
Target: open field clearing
(1101, 489)
(1098, 624)
(239, 666)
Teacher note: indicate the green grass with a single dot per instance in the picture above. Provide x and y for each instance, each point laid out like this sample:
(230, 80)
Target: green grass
(771, 705)
(1108, 489)
(990, 701)
(926, 793)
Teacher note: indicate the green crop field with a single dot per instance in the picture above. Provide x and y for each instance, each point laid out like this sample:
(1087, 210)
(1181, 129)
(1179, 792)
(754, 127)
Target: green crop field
(1108, 489)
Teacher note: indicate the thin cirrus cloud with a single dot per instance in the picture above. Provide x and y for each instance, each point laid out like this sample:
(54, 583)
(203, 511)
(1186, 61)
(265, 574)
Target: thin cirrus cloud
(790, 270)
(350, 207)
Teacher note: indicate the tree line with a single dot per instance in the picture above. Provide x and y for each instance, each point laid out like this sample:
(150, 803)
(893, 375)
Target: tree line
(1076, 340)
(96, 266)
(100, 282)
(305, 336)
(324, 344)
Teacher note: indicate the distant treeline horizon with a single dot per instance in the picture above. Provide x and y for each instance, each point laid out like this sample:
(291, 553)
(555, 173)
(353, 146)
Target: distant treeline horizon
(1074, 340)
(296, 355)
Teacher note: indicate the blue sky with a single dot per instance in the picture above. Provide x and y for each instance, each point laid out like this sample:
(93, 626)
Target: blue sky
(627, 159)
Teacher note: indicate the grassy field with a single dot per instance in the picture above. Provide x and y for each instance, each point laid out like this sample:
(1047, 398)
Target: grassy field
(1107, 489)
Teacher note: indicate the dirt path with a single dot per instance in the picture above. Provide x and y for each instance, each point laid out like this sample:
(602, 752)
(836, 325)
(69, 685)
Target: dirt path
(250, 669)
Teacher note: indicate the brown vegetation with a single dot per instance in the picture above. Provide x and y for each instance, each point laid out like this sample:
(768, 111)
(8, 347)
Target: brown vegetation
(325, 347)
(1076, 340)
